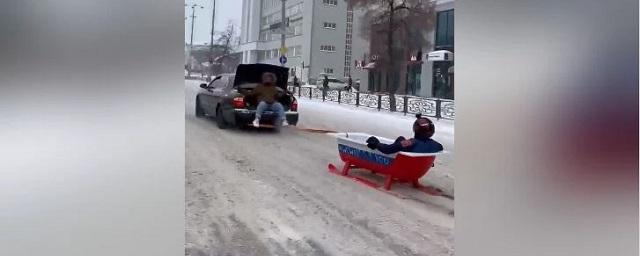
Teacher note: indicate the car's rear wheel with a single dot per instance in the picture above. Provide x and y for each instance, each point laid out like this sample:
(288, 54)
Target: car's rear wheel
(222, 124)
(199, 111)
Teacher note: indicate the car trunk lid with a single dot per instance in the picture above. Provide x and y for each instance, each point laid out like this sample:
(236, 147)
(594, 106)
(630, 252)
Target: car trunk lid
(252, 74)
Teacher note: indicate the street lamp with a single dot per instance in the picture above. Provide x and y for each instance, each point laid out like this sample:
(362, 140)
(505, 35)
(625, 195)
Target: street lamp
(193, 19)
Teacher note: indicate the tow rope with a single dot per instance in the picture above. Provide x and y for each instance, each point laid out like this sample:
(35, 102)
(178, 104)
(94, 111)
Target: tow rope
(314, 130)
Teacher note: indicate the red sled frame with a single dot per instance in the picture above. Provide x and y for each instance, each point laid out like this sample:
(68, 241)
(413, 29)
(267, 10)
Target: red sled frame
(405, 168)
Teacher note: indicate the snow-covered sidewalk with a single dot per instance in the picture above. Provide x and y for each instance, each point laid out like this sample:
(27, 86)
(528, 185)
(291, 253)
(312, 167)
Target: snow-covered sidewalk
(347, 118)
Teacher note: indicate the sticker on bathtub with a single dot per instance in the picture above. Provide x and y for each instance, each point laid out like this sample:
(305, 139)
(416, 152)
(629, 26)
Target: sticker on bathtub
(365, 155)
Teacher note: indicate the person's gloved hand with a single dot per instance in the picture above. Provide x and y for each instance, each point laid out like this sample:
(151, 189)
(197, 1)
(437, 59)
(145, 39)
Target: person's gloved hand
(407, 143)
(372, 142)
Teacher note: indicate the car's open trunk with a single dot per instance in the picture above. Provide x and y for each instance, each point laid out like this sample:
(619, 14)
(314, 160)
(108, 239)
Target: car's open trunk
(252, 102)
(248, 76)
(252, 74)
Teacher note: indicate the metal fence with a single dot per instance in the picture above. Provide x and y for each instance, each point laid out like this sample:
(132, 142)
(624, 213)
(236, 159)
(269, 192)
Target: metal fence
(407, 104)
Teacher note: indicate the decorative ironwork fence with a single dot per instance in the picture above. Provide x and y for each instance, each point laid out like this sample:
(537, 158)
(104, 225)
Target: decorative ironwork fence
(407, 104)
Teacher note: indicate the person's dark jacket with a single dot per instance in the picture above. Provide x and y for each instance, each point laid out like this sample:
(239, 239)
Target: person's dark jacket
(427, 145)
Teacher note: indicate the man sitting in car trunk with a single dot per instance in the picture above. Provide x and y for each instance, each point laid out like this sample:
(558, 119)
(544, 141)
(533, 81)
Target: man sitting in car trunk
(267, 94)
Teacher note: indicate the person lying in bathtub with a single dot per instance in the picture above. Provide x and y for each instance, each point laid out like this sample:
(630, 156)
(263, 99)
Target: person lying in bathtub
(421, 142)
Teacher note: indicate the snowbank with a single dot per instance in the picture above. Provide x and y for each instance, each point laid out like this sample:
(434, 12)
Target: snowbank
(349, 118)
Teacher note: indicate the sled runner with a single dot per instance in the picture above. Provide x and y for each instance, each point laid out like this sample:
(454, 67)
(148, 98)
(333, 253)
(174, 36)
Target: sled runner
(402, 167)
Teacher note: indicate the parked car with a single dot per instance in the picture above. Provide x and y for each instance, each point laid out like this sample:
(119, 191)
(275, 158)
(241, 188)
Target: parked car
(307, 85)
(222, 99)
(334, 83)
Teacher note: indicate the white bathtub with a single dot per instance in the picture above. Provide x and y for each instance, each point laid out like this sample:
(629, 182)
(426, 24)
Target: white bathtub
(359, 140)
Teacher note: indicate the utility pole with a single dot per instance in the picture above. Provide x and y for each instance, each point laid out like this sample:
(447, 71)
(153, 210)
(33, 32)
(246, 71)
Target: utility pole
(213, 23)
(283, 30)
(193, 22)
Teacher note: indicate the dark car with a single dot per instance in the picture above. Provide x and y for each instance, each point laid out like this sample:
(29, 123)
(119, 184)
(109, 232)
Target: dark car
(223, 97)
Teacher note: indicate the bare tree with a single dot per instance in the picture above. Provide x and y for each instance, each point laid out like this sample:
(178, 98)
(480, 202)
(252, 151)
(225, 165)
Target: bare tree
(227, 41)
(227, 38)
(395, 28)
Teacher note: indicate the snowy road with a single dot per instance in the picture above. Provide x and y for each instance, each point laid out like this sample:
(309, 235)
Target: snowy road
(265, 193)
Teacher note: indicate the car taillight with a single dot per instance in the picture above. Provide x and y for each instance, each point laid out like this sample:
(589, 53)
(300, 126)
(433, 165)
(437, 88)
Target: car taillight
(294, 105)
(238, 102)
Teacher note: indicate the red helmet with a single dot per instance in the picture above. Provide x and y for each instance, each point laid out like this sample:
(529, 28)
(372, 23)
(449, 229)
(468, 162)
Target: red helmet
(423, 127)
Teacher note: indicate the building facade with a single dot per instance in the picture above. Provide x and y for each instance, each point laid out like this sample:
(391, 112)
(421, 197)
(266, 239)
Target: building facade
(424, 77)
(442, 72)
(316, 36)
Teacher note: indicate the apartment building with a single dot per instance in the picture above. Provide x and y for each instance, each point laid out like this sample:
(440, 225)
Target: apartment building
(317, 36)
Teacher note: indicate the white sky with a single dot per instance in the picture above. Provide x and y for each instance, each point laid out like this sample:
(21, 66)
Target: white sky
(226, 10)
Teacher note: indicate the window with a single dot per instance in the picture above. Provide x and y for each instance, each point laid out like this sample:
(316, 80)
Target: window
(276, 17)
(294, 10)
(328, 70)
(347, 71)
(294, 51)
(327, 48)
(296, 26)
(275, 36)
(263, 36)
(444, 29)
(297, 30)
(260, 56)
(298, 50)
(330, 2)
(329, 25)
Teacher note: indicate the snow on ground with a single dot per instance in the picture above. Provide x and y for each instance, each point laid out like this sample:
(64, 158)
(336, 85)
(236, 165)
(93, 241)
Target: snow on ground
(348, 118)
(265, 193)
(252, 192)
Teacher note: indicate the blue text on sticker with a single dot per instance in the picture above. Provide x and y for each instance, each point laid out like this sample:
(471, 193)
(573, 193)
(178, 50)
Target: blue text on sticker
(365, 155)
